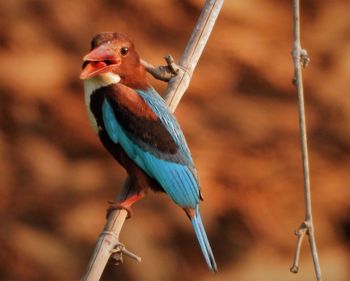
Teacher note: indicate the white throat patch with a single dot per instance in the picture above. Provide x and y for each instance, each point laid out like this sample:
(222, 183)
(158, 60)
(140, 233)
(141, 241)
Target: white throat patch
(91, 85)
(102, 80)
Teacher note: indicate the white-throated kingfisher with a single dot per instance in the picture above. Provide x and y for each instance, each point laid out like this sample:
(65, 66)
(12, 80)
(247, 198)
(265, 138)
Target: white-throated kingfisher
(135, 125)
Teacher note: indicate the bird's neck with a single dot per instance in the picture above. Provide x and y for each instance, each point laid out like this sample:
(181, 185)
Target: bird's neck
(136, 81)
(93, 84)
(135, 78)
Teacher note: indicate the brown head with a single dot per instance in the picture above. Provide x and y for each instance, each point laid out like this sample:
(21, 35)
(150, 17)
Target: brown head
(114, 52)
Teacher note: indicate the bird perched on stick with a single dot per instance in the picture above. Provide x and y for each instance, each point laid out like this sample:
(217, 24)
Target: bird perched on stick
(135, 125)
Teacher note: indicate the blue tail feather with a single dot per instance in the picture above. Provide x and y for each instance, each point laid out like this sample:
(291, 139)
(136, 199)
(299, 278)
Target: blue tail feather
(203, 240)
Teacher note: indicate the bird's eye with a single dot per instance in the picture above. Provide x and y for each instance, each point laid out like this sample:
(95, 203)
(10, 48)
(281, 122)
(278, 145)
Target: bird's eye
(124, 51)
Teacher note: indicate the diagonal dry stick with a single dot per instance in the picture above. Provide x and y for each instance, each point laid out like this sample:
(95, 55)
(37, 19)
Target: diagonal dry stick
(301, 59)
(108, 243)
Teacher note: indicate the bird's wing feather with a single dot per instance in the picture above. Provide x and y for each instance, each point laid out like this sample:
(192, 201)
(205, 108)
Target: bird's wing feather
(159, 107)
(174, 171)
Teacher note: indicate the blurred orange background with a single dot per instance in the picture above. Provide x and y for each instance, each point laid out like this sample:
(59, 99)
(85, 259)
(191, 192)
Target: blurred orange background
(240, 119)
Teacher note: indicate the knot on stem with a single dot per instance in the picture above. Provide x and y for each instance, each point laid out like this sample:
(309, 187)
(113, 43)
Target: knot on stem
(163, 72)
(304, 58)
(118, 251)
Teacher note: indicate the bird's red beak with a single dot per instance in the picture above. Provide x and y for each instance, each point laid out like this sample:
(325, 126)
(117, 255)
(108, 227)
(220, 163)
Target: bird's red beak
(99, 60)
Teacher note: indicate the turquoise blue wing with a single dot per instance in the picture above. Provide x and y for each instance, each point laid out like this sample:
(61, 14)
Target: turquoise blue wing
(177, 178)
(159, 107)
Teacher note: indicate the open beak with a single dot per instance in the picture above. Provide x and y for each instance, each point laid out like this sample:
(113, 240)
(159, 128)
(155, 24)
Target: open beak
(99, 60)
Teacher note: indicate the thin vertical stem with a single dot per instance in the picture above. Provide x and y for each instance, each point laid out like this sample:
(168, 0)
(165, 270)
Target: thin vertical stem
(301, 108)
(300, 59)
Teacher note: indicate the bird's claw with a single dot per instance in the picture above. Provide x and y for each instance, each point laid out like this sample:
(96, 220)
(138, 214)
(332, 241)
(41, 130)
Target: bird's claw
(117, 205)
(118, 251)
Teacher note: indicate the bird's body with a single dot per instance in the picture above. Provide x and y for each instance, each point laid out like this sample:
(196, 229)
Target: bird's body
(136, 127)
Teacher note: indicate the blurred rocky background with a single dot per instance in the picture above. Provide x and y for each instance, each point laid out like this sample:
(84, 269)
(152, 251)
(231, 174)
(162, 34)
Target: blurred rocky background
(240, 119)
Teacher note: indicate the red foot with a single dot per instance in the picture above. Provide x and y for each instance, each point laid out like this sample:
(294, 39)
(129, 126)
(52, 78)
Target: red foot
(126, 204)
